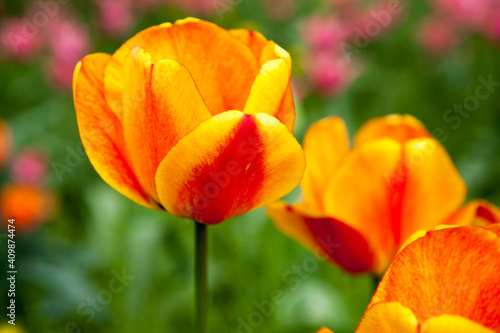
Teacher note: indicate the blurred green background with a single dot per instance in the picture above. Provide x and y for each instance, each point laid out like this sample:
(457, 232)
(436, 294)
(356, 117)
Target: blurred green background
(65, 267)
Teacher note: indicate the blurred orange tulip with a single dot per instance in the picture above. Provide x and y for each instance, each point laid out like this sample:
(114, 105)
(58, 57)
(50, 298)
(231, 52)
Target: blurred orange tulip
(191, 118)
(5, 142)
(28, 204)
(442, 281)
(360, 205)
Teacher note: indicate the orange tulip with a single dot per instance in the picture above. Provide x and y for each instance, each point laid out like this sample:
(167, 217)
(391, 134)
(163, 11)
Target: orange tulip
(191, 118)
(5, 142)
(361, 204)
(442, 281)
(28, 204)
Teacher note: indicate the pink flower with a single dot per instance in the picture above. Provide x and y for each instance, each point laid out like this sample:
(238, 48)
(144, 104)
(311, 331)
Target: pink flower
(323, 32)
(30, 166)
(115, 16)
(16, 40)
(473, 13)
(438, 36)
(68, 41)
(329, 73)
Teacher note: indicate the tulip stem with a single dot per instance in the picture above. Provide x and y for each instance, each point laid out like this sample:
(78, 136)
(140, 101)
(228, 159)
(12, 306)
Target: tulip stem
(200, 273)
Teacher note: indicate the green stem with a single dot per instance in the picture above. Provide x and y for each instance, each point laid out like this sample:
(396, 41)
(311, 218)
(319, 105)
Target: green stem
(200, 276)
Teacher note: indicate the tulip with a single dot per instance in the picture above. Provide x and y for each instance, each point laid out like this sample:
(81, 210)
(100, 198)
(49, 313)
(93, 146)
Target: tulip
(15, 42)
(115, 16)
(442, 281)
(29, 204)
(5, 142)
(191, 118)
(361, 204)
(472, 13)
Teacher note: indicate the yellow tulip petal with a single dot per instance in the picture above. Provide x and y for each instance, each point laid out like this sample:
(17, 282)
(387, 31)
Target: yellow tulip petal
(228, 165)
(268, 91)
(389, 317)
(359, 194)
(325, 330)
(221, 65)
(156, 115)
(101, 131)
(252, 39)
(397, 127)
(432, 188)
(326, 145)
(453, 324)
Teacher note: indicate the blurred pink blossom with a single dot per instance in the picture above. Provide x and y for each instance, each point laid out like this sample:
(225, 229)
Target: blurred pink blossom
(473, 13)
(30, 166)
(438, 36)
(329, 73)
(323, 32)
(68, 41)
(16, 42)
(115, 16)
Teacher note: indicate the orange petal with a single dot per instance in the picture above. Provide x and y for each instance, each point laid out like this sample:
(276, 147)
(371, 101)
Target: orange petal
(291, 221)
(5, 142)
(452, 324)
(326, 145)
(156, 115)
(222, 67)
(29, 205)
(398, 127)
(388, 318)
(325, 330)
(450, 271)
(228, 165)
(358, 194)
(476, 212)
(431, 188)
(101, 131)
(252, 39)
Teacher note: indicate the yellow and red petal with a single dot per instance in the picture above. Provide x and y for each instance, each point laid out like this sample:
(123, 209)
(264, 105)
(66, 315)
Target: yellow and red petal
(428, 188)
(326, 145)
(326, 237)
(222, 67)
(397, 127)
(389, 317)
(476, 212)
(254, 40)
(452, 324)
(359, 194)
(101, 131)
(228, 165)
(291, 220)
(156, 116)
(450, 271)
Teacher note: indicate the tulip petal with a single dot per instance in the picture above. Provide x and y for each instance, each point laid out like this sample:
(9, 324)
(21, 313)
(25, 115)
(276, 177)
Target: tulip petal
(101, 131)
(431, 188)
(327, 135)
(228, 165)
(476, 212)
(325, 330)
(156, 115)
(388, 318)
(222, 67)
(292, 222)
(449, 271)
(252, 39)
(398, 127)
(269, 89)
(343, 244)
(452, 324)
(358, 194)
